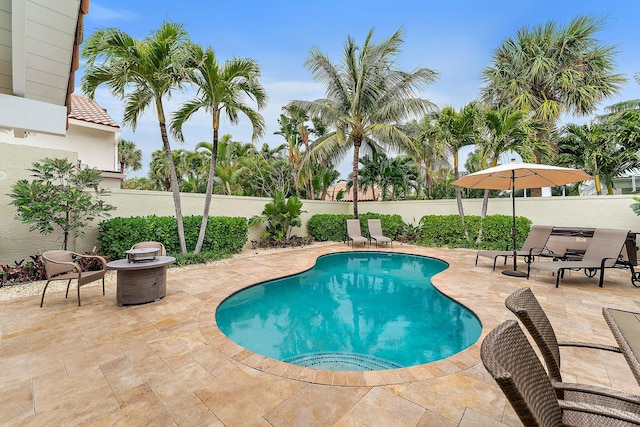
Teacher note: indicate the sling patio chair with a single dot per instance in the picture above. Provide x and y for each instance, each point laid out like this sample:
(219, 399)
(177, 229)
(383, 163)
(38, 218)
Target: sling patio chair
(375, 232)
(512, 362)
(527, 309)
(354, 233)
(533, 245)
(603, 252)
(63, 265)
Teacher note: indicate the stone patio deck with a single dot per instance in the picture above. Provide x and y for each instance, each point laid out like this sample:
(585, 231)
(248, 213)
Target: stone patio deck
(166, 363)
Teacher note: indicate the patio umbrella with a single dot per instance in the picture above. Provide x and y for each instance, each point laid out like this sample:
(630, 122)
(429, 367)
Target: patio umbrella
(520, 175)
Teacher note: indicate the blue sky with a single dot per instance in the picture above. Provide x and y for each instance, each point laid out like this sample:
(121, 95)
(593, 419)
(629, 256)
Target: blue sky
(455, 38)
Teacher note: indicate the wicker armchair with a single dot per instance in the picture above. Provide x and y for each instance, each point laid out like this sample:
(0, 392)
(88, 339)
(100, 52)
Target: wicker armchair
(62, 265)
(528, 310)
(508, 356)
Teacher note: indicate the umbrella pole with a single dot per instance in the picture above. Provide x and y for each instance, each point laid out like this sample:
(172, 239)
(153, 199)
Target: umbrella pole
(514, 231)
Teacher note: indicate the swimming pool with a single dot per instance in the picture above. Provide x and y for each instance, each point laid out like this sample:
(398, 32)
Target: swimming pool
(352, 311)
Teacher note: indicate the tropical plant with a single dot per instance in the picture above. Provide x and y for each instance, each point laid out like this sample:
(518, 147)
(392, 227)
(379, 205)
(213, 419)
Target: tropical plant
(430, 155)
(593, 147)
(457, 129)
(222, 89)
(281, 216)
(550, 70)
(60, 196)
(129, 156)
(367, 96)
(143, 73)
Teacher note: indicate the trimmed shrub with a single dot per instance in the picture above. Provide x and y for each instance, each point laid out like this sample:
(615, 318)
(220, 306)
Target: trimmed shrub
(224, 234)
(325, 227)
(447, 230)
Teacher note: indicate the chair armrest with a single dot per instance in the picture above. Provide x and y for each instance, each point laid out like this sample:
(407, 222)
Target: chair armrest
(597, 391)
(590, 345)
(600, 410)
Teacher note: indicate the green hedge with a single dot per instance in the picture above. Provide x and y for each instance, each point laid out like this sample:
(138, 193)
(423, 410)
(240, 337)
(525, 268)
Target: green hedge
(324, 227)
(224, 234)
(447, 230)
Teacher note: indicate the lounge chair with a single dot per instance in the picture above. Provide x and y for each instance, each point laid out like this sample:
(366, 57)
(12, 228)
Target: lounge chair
(603, 252)
(354, 233)
(533, 245)
(375, 232)
(62, 265)
(154, 245)
(527, 309)
(508, 356)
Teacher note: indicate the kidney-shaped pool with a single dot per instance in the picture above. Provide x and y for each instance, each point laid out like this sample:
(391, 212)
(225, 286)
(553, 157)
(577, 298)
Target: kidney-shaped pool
(352, 311)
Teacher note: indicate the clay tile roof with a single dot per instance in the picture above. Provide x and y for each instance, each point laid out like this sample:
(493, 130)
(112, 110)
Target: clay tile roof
(88, 110)
(363, 196)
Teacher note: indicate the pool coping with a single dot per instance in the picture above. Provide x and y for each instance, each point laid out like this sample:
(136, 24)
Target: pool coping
(460, 361)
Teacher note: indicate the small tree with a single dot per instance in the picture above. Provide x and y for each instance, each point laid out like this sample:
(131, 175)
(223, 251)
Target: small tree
(59, 196)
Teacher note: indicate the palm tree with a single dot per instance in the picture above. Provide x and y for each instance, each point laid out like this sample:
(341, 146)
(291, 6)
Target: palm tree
(506, 130)
(431, 154)
(222, 89)
(455, 130)
(551, 70)
(152, 68)
(129, 157)
(367, 96)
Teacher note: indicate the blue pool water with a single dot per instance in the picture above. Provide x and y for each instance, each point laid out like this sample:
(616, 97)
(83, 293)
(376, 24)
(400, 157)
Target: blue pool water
(352, 311)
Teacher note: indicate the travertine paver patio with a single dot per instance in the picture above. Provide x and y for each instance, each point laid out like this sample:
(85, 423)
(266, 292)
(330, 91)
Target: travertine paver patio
(166, 363)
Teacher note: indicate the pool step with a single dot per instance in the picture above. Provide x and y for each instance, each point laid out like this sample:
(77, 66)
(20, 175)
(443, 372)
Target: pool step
(340, 361)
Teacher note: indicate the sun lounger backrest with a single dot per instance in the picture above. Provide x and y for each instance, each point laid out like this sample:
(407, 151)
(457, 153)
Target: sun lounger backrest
(375, 227)
(537, 238)
(605, 243)
(353, 228)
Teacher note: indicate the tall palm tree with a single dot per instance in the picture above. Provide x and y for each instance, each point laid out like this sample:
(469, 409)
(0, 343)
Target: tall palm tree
(142, 73)
(367, 96)
(129, 157)
(550, 70)
(457, 129)
(221, 89)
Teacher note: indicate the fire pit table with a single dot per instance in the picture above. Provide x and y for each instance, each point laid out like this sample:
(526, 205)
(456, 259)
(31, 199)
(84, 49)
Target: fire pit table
(141, 277)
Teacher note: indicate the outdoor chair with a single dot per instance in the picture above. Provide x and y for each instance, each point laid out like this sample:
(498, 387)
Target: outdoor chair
(63, 265)
(152, 245)
(534, 245)
(603, 252)
(508, 356)
(527, 309)
(354, 233)
(375, 233)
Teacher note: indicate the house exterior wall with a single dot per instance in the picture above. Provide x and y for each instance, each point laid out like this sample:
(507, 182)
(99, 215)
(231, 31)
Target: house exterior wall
(96, 146)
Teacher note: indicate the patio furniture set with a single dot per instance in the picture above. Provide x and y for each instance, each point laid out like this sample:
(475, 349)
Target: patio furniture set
(587, 249)
(141, 276)
(354, 233)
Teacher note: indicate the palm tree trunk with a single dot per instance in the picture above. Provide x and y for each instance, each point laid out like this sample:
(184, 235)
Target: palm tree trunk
(209, 191)
(456, 175)
(356, 156)
(174, 180)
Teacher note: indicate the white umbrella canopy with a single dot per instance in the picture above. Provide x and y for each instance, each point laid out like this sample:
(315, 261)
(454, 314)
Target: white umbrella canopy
(520, 175)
